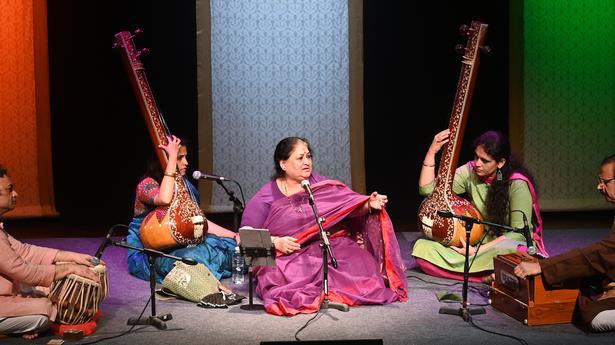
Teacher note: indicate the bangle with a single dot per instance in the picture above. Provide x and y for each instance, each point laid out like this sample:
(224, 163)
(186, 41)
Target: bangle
(170, 174)
(429, 166)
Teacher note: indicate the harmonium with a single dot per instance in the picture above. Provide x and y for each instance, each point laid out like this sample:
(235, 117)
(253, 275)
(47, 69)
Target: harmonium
(526, 299)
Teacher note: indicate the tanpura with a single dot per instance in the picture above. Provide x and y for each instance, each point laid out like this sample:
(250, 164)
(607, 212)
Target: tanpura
(448, 231)
(182, 222)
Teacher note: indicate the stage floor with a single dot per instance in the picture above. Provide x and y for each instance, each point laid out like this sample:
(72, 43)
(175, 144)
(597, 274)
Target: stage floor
(414, 322)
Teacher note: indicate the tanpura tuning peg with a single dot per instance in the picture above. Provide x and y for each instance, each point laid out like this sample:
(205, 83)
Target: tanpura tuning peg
(460, 49)
(464, 30)
(485, 49)
(143, 52)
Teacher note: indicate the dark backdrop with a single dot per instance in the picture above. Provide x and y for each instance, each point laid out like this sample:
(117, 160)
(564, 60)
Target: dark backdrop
(411, 73)
(99, 138)
(100, 141)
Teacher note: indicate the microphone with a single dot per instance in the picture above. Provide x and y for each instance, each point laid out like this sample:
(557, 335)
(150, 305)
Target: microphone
(103, 246)
(445, 214)
(531, 250)
(306, 185)
(319, 220)
(189, 261)
(528, 240)
(449, 214)
(197, 175)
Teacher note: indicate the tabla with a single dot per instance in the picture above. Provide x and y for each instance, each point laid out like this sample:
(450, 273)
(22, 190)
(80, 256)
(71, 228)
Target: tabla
(77, 298)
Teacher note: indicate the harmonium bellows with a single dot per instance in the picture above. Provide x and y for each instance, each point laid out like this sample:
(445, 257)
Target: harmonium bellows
(527, 299)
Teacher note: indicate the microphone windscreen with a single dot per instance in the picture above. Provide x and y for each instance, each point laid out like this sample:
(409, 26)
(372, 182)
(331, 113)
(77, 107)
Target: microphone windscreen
(305, 183)
(189, 261)
(196, 175)
(445, 214)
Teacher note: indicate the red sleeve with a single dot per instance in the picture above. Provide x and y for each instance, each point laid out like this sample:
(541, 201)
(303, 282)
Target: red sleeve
(146, 192)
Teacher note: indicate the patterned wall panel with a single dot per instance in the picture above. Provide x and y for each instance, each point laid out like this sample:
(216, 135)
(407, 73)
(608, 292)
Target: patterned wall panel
(24, 103)
(569, 96)
(279, 68)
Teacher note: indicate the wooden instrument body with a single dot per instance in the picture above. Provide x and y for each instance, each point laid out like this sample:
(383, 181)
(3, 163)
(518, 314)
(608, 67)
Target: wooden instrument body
(527, 299)
(78, 299)
(182, 222)
(167, 226)
(448, 230)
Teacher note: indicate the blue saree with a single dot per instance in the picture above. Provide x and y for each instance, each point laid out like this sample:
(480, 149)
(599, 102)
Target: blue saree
(214, 252)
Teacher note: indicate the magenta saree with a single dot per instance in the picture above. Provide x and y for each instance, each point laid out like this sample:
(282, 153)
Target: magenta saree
(370, 269)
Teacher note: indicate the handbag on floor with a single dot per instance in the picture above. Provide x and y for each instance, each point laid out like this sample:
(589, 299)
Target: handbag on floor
(220, 299)
(190, 282)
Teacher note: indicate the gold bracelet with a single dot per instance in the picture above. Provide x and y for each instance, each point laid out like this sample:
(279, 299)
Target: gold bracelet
(429, 166)
(170, 174)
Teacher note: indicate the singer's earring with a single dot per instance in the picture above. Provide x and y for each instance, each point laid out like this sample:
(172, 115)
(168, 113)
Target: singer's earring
(498, 175)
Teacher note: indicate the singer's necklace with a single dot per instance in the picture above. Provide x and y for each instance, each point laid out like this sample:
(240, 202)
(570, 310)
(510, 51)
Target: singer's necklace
(297, 204)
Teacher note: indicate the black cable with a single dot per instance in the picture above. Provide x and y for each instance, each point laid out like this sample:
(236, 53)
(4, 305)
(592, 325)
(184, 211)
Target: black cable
(475, 288)
(430, 282)
(140, 315)
(119, 226)
(243, 199)
(523, 213)
(520, 340)
(312, 319)
(123, 333)
(443, 284)
(477, 248)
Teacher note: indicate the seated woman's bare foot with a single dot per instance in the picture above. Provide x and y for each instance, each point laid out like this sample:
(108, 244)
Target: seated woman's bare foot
(607, 294)
(224, 288)
(488, 279)
(30, 336)
(609, 291)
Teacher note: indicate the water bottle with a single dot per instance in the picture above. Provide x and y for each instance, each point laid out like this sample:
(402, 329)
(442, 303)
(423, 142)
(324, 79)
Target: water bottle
(238, 265)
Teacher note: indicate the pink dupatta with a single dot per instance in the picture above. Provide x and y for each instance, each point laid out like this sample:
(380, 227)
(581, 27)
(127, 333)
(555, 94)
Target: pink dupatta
(538, 239)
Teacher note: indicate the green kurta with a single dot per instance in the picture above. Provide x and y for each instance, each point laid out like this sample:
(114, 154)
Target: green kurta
(467, 182)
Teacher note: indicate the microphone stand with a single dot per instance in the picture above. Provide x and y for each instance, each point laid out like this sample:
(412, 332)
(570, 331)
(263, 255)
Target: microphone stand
(237, 205)
(531, 249)
(158, 321)
(325, 246)
(465, 311)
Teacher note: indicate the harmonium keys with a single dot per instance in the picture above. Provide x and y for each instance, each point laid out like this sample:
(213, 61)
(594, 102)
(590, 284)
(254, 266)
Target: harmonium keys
(526, 299)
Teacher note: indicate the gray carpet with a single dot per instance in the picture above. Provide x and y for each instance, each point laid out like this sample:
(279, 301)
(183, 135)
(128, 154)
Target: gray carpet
(414, 322)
